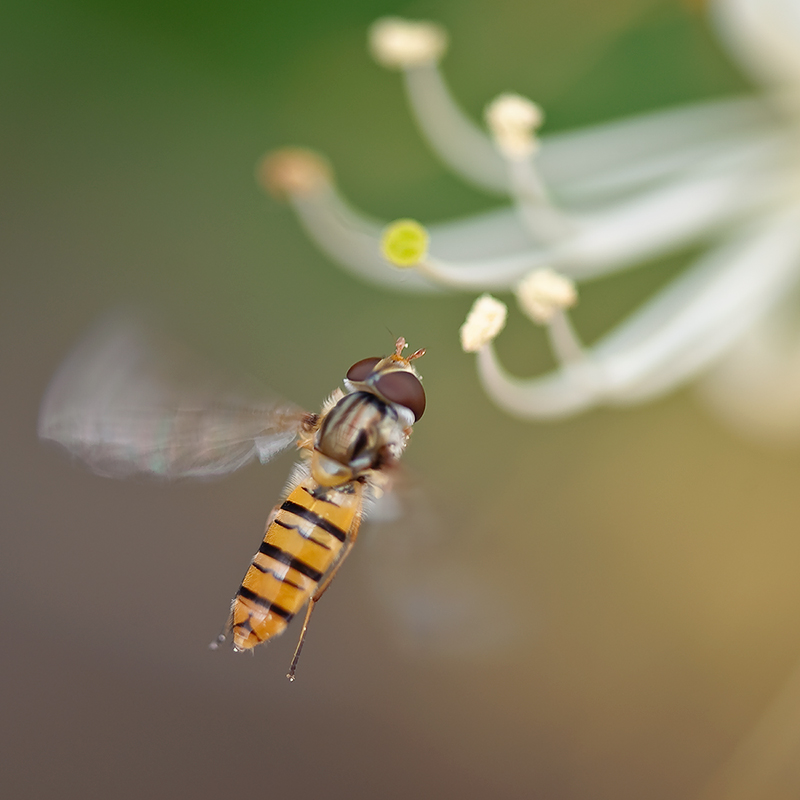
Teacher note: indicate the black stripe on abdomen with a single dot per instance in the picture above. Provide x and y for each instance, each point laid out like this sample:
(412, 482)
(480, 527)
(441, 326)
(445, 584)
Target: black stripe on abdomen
(315, 519)
(297, 528)
(256, 598)
(268, 571)
(286, 558)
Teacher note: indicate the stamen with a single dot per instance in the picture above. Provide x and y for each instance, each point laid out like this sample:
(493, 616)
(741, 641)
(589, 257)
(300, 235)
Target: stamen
(404, 244)
(544, 292)
(621, 154)
(349, 237)
(672, 337)
(403, 44)
(513, 121)
(564, 341)
(610, 238)
(543, 295)
(485, 320)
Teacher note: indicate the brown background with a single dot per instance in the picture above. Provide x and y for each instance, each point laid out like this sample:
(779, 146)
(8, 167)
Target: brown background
(600, 608)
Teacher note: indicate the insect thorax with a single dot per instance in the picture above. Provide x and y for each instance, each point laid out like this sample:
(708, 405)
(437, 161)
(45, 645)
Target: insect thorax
(359, 434)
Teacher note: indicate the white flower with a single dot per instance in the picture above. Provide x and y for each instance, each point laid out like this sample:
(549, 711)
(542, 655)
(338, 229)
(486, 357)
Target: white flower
(722, 176)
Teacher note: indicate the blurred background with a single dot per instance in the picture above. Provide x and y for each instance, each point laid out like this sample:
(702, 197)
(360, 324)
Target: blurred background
(599, 608)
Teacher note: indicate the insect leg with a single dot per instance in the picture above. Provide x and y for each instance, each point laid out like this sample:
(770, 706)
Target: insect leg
(296, 656)
(224, 633)
(352, 535)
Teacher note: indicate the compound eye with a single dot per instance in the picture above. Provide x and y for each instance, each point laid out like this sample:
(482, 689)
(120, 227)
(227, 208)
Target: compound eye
(361, 370)
(405, 389)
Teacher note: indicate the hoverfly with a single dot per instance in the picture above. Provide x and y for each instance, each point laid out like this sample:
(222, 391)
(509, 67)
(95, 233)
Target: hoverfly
(124, 408)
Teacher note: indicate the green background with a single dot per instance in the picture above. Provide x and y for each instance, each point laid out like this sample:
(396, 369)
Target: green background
(598, 608)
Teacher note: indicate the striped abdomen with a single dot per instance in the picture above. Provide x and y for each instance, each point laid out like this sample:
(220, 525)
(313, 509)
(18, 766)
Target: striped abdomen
(299, 547)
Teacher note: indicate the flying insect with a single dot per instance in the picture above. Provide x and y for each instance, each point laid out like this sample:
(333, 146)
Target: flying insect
(126, 407)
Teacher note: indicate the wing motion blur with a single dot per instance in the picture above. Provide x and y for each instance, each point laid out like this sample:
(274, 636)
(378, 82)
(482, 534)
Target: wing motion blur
(128, 403)
(444, 593)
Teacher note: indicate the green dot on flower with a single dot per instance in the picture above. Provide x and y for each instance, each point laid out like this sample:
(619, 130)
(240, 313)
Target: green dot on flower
(404, 243)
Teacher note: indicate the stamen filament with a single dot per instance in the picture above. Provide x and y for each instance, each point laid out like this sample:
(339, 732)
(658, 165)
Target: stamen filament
(545, 223)
(352, 241)
(564, 341)
(609, 240)
(624, 154)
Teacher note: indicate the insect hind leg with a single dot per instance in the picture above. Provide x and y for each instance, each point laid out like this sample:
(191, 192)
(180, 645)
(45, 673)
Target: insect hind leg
(296, 657)
(352, 535)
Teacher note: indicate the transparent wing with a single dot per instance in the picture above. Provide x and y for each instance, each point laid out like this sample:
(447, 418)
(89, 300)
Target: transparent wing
(442, 597)
(127, 403)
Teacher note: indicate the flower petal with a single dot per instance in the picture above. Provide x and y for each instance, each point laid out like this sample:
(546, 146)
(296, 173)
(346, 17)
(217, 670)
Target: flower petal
(764, 35)
(756, 385)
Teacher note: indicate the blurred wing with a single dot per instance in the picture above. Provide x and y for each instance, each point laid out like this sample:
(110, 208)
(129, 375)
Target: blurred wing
(127, 403)
(443, 598)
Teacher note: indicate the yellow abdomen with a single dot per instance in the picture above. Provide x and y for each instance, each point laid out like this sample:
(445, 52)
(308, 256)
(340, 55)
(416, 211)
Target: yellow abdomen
(300, 545)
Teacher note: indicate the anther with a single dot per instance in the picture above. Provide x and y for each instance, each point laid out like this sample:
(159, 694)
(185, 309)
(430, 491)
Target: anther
(400, 44)
(486, 319)
(543, 292)
(293, 171)
(513, 121)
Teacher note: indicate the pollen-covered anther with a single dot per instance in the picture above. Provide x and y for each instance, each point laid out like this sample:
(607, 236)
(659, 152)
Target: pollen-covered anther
(485, 320)
(544, 292)
(513, 121)
(404, 243)
(398, 43)
(293, 171)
